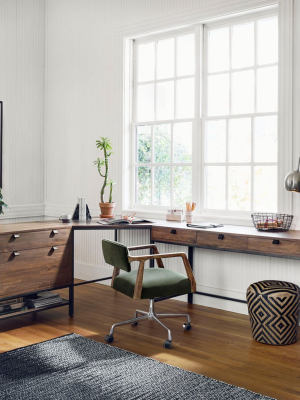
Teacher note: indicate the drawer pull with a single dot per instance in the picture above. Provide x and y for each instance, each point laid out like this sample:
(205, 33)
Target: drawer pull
(54, 248)
(55, 232)
(16, 235)
(16, 253)
(275, 241)
(221, 237)
(173, 231)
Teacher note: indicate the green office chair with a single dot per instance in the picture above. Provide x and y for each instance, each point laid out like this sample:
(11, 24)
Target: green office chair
(149, 283)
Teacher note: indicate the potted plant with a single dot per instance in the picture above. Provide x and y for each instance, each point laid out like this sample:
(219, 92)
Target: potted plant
(2, 204)
(107, 208)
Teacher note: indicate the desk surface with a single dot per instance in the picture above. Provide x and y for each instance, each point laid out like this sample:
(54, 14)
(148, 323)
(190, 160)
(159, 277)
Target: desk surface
(11, 228)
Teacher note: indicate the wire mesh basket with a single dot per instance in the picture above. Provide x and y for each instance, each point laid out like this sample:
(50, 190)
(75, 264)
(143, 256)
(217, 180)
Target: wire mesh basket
(272, 222)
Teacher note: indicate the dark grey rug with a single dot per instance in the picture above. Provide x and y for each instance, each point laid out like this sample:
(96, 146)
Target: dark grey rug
(73, 367)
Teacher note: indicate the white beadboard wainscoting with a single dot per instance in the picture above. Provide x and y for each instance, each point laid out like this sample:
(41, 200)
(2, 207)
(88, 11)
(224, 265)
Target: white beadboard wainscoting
(216, 272)
(22, 62)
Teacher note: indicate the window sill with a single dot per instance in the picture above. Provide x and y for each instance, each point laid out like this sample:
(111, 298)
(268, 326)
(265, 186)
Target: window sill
(221, 219)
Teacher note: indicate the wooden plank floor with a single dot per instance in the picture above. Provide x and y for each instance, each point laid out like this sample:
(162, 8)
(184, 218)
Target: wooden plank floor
(219, 345)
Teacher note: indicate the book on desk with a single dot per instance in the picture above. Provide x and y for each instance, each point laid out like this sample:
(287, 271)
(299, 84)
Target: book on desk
(122, 221)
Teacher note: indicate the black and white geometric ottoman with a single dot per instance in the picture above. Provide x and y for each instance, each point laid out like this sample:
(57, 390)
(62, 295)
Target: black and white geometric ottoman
(274, 311)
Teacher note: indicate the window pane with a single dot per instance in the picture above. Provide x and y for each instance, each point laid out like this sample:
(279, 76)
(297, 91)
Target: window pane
(218, 50)
(182, 185)
(265, 139)
(267, 89)
(239, 135)
(215, 141)
(243, 92)
(186, 55)
(215, 183)
(243, 45)
(267, 41)
(265, 189)
(218, 94)
(162, 143)
(145, 102)
(239, 188)
(165, 59)
(146, 62)
(182, 142)
(162, 186)
(185, 98)
(165, 100)
(144, 144)
(143, 186)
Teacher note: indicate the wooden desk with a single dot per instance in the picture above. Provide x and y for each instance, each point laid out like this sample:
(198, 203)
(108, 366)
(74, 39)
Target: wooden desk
(38, 256)
(239, 239)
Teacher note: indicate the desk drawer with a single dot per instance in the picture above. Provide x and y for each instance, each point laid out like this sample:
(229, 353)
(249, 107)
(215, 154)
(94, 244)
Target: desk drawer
(222, 240)
(33, 240)
(274, 246)
(34, 270)
(173, 235)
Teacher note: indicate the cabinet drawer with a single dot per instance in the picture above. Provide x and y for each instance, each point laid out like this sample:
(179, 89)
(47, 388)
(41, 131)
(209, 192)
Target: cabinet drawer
(222, 240)
(173, 235)
(33, 240)
(270, 246)
(34, 270)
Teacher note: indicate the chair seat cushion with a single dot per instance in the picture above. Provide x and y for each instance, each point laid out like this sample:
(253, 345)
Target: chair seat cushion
(157, 282)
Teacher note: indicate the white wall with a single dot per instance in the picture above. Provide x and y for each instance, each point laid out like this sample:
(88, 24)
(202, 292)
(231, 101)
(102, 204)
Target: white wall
(22, 93)
(84, 90)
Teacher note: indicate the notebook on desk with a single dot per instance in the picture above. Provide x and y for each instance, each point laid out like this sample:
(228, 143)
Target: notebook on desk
(120, 221)
(205, 225)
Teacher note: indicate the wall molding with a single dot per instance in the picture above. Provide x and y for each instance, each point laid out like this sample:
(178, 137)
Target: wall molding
(56, 210)
(31, 210)
(208, 10)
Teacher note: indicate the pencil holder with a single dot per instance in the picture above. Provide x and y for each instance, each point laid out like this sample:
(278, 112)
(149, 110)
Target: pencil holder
(189, 216)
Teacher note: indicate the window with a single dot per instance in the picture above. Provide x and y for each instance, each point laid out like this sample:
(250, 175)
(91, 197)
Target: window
(165, 84)
(221, 151)
(240, 116)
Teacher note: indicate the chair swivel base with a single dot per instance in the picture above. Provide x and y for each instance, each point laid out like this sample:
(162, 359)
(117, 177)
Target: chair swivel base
(150, 315)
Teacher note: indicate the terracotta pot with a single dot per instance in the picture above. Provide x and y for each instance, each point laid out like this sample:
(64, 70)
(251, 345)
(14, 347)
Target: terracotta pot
(107, 210)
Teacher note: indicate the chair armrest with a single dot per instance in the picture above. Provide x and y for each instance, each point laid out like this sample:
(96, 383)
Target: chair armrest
(160, 264)
(140, 274)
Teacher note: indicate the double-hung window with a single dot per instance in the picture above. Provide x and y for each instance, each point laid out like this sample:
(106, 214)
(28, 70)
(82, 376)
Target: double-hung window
(207, 133)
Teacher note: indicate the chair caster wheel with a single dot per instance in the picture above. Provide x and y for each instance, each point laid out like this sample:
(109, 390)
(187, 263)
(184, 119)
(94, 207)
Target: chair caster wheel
(187, 327)
(167, 344)
(134, 323)
(109, 338)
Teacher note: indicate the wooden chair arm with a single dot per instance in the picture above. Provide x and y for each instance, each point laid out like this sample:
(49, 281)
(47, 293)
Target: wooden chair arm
(139, 282)
(159, 262)
(143, 259)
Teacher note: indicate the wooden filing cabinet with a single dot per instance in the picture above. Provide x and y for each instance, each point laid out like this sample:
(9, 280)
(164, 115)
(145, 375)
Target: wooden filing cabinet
(35, 261)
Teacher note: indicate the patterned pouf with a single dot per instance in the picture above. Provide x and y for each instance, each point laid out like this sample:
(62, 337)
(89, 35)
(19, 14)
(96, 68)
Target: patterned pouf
(274, 311)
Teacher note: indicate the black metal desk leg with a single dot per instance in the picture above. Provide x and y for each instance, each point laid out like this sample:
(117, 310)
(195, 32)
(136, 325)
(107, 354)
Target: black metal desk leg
(191, 259)
(71, 287)
(71, 300)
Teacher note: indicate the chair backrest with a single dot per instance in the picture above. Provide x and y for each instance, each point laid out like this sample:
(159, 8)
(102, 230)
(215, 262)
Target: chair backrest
(116, 254)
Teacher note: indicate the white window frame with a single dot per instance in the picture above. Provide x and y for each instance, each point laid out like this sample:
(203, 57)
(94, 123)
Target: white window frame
(134, 124)
(215, 25)
(127, 35)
